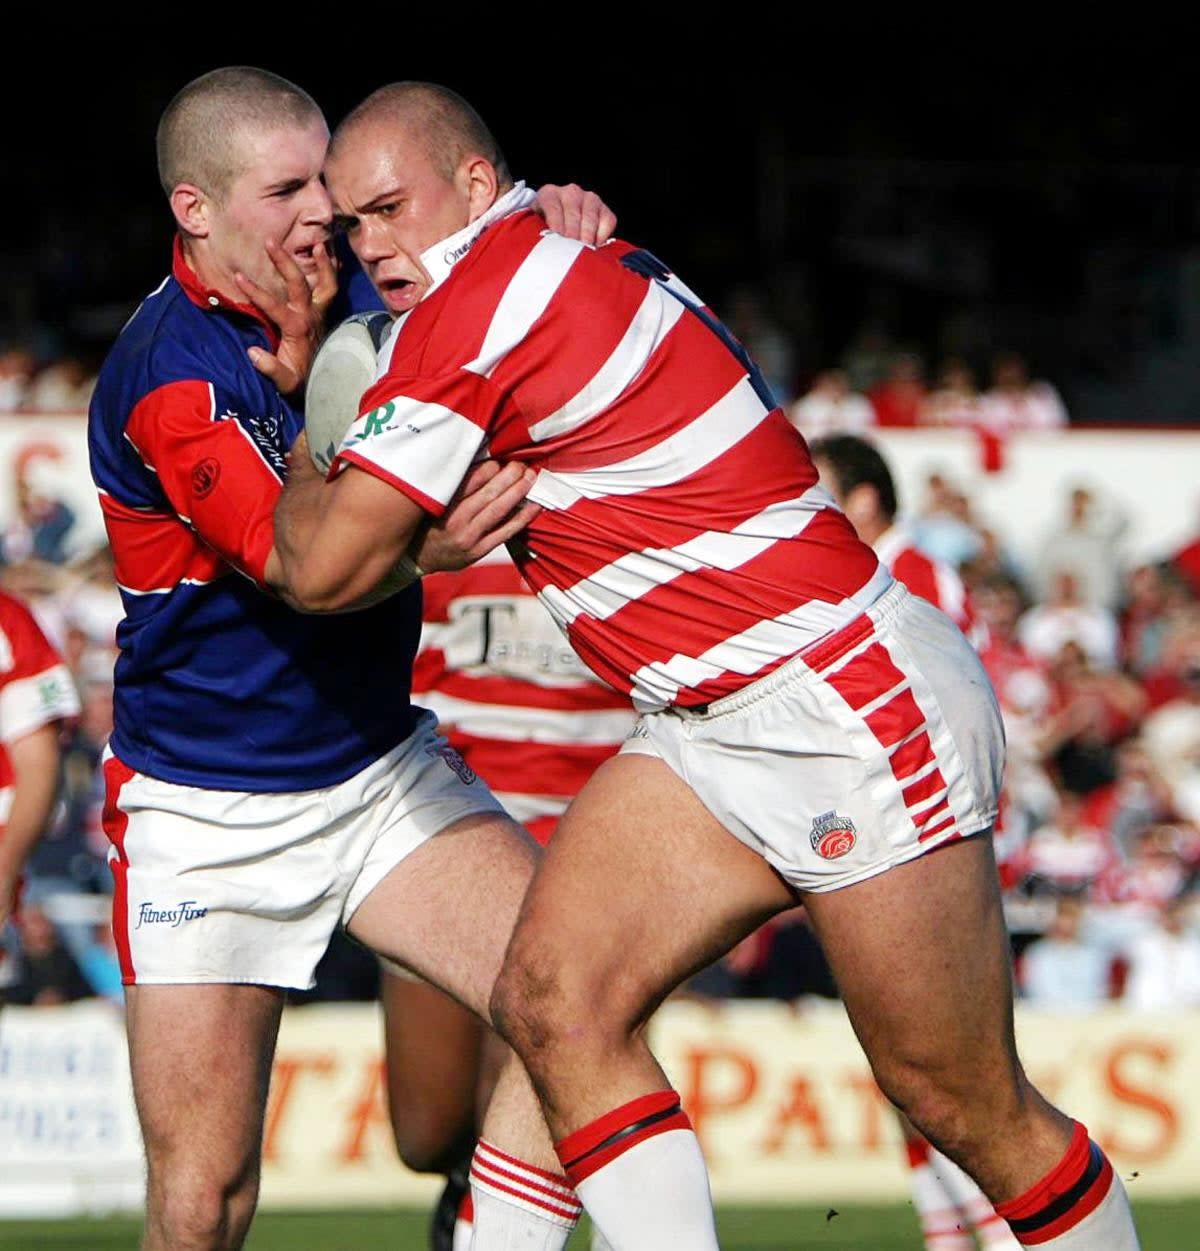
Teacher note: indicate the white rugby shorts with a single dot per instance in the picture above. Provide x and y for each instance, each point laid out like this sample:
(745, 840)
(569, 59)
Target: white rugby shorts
(866, 750)
(229, 886)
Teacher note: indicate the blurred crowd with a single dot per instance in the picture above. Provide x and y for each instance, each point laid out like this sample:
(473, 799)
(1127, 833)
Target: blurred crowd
(1096, 665)
(62, 384)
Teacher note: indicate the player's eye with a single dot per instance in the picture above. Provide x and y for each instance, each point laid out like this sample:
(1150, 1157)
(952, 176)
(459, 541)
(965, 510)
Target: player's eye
(389, 209)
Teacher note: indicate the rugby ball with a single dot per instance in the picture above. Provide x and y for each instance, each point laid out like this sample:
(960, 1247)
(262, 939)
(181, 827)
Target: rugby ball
(343, 368)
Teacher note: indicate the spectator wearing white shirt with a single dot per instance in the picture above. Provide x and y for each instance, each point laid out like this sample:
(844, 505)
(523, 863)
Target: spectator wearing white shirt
(1164, 963)
(831, 407)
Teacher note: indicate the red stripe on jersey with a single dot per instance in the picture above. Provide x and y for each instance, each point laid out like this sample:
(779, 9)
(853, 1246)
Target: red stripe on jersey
(896, 719)
(640, 418)
(115, 822)
(916, 571)
(531, 768)
(155, 551)
(542, 829)
(580, 697)
(31, 652)
(210, 470)
(555, 364)
(440, 590)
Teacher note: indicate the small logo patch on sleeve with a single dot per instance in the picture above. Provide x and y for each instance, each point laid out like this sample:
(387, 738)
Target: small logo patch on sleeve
(205, 476)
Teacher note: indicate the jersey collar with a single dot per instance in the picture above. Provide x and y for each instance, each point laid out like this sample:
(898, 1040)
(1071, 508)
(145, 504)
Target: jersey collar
(891, 543)
(440, 259)
(211, 300)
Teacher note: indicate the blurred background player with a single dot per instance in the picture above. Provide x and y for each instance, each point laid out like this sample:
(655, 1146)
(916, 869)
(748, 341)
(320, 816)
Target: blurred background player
(36, 696)
(949, 1205)
(523, 711)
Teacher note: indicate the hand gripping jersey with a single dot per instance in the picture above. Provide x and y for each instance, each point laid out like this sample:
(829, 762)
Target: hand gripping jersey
(219, 684)
(685, 544)
(35, 687)
(510, 694)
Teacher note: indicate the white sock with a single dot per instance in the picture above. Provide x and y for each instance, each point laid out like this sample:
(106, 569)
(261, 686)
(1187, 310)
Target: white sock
(640, 1173)
(517, 1207)
(993, 1230)
(943, 1224)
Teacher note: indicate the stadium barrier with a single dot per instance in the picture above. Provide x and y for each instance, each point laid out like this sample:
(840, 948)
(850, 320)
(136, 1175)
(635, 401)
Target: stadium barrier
(781, 1097)
(1017, 489)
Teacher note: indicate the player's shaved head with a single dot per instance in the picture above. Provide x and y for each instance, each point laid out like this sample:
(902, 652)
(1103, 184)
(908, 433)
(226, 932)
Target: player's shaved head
(448, 127)
(199, 132)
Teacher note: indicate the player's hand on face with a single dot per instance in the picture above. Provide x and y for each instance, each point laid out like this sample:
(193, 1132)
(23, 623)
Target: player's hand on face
(489, 509)
(299, 314)
(576, 213)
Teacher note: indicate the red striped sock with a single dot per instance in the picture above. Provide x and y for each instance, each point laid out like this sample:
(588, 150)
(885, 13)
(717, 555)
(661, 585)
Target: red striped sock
(612, 1134)
(1072, 1190)
(539, 1193)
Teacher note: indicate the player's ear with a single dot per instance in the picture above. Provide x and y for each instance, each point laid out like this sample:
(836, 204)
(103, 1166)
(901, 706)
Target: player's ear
(477, 182)
(190, 207)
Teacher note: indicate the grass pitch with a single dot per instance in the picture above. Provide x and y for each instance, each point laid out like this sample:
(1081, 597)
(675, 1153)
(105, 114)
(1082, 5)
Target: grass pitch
(1164, 1226)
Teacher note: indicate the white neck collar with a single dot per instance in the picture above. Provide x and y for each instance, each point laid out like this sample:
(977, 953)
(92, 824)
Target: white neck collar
(441, 258)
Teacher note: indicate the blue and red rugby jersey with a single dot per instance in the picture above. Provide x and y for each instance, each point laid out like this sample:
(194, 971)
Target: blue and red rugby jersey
(219, 684)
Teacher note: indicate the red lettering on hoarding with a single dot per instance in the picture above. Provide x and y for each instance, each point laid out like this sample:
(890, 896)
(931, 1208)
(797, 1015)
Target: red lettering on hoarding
(698, 1092)
(368, 1109)
(874, 1107)
(798, 1111)
(284, 1075)
(1123, 1089)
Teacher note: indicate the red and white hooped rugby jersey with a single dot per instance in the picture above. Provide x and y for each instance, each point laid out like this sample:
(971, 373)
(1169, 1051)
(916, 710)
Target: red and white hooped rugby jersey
(931, 579)
(510, 694)
(36, 688)
(684, 544)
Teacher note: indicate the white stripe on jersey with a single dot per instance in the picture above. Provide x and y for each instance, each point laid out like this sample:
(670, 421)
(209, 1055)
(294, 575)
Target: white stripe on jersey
(525, 299)
(631, 576)
(705, 439)
(657, 684)
(519, 723)
(654, 320)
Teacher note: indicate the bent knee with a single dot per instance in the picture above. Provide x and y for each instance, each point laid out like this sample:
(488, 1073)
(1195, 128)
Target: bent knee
(541, 1004)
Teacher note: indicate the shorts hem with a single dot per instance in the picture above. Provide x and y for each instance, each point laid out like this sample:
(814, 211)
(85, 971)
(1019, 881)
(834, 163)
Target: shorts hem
(216, 979)
(905, 856)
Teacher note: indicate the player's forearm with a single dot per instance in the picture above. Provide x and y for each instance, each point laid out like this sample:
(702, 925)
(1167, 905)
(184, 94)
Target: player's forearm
(330, 554)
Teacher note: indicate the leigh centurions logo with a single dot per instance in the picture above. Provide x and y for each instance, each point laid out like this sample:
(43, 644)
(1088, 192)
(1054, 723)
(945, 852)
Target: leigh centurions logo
(832, 836)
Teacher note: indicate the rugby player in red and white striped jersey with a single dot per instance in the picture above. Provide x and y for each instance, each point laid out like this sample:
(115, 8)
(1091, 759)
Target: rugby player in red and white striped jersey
(859, 479)
(808, 725)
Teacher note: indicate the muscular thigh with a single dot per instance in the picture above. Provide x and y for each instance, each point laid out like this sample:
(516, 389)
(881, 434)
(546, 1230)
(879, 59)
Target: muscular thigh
(200, 1057)
(446, 911)
(639, 888)
(921, 958)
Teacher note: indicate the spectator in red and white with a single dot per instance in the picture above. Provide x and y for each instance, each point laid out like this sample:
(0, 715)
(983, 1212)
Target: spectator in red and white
(1065, 969)
(1164, 962)
(1138, 798)
(1067, 856)
(1014, 403)
(1144, 620)
(899, 398)
(955, 402)
(856, 475)
(1154, 875)
(831, 407)
(1171, 735)
(1065, 617)
(1091, 712)
(1087, 545)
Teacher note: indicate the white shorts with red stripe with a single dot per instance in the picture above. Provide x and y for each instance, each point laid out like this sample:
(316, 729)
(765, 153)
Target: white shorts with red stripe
(229, 886)
(866, 750)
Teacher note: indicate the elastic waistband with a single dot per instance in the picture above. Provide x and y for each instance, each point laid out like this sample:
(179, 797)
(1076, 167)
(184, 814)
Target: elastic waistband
(811, 663)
